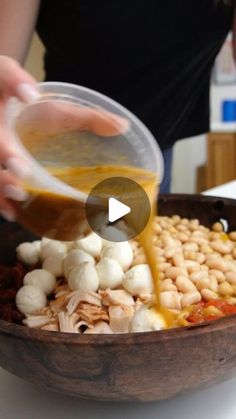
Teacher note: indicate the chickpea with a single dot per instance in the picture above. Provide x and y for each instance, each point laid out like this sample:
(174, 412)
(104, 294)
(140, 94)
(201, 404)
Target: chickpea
(232, 236)
(226, 289)
(190, 298)
(208, 294)
(218, 227)
(184, 284)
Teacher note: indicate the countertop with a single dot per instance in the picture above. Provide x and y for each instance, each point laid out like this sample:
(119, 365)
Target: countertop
(21, 400)
(218, 126)
(228, 190)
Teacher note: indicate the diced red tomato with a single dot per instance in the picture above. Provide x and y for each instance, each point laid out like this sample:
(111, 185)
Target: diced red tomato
(229, 309)
(196, 318)
(199, 306)
(216, 303)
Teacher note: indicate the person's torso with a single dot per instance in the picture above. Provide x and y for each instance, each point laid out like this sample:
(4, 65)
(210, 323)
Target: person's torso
(153, 56)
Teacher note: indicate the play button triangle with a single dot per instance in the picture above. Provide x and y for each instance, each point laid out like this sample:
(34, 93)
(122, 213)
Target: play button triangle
(117, 210)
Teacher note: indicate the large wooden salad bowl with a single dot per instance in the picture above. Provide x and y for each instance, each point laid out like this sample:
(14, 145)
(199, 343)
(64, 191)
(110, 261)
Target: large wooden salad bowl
(133, 367)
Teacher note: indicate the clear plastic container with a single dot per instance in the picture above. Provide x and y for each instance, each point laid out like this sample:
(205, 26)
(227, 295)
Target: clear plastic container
(67, 138)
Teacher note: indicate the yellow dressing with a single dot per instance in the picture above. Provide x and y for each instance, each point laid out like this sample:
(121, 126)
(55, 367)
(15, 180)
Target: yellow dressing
(49, 214)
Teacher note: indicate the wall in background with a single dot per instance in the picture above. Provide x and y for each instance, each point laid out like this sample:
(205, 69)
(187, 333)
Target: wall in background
(191, 153)
(188, 155)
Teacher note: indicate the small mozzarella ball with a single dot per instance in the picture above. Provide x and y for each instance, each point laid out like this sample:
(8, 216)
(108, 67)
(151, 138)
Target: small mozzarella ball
(75, 258)
(30, 299)
(121, 252)
(27, 253)
(54, 264)
(112, 235)
(45, 240)
(91, 244)
(38, 246)
(110, 273)
(41, 278)
(52, 248)
(84, 278)
(146, 319)
(138, 280)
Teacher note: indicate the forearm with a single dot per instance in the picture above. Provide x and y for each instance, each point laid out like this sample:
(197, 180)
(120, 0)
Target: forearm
(17, 22)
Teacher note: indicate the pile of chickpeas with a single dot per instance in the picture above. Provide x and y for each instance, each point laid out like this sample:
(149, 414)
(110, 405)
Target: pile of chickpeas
(194, 262)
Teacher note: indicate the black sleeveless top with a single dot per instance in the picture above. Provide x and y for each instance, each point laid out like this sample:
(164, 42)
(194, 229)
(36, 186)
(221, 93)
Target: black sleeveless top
(153, 56)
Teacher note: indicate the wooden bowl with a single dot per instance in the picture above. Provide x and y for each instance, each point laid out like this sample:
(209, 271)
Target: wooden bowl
(132, 367)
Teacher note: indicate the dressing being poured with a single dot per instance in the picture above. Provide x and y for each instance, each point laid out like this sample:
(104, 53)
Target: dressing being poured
(64, 218)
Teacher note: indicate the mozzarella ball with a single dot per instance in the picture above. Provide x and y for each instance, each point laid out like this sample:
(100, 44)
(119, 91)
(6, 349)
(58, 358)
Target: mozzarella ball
(41, 278)
(74, 258)
(112, 235)
(84, 278)
(138, 280)
(45, 240)
(30, 299)
(121, 252)
(53, 247)
(91, 244)
(38, 245)
(110, 273)
(27, 253)
(147, 319)
(54, 264)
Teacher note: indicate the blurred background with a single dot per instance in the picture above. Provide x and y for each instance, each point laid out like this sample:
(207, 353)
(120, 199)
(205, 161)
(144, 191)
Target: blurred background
(208, 160)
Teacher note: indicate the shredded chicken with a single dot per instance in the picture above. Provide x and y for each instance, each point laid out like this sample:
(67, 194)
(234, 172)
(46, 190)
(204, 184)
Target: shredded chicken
(116, 297)
(91, 313)
(70, 324)
(62, 290)
(100, 328)
(146, 298)
(36, 321)
(76, 297)
(58, 304)
(120, 318)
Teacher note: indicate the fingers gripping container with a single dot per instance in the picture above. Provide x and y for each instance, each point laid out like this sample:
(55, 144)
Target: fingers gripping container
(71, 126)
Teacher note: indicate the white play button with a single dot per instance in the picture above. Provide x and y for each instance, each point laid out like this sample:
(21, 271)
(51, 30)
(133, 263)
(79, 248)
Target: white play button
(122, 210)
(116, 210)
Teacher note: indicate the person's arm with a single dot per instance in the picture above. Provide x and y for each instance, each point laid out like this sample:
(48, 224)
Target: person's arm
(17, 22)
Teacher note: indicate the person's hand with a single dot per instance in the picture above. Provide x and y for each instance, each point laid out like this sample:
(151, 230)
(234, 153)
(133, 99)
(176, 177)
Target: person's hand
(14, 82)
(51, 117)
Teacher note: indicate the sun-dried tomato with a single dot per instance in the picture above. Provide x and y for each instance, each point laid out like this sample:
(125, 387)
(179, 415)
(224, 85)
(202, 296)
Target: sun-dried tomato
(17, 316)
(6, 277)
(6, 312)
(18, 272)
(8, 295)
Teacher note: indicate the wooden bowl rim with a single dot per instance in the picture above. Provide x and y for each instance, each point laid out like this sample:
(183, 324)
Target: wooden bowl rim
(23, 332)
(44, 336)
